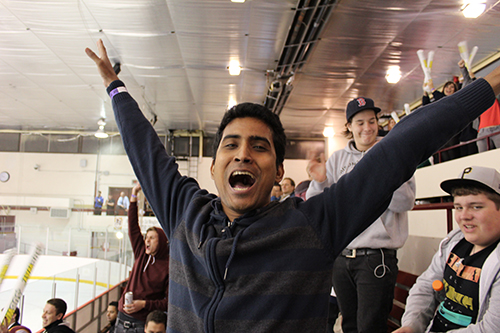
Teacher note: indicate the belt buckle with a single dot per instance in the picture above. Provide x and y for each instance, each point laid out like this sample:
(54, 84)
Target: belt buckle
(352, 255)
(127, 324)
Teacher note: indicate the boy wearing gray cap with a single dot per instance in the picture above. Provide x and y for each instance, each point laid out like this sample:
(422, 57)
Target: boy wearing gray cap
(467, 263)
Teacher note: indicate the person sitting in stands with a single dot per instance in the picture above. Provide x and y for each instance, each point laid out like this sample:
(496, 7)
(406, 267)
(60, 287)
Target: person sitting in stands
(15, 326)
(276, 192)
(288, 186)
(111, 314)
(467, 263)
(52, 317)
(156, 322)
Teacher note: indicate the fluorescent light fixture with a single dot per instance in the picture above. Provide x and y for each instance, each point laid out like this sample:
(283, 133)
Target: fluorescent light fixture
(393, 74)
(328, 132)
(238, 1)
(473, 9)
(234, 67)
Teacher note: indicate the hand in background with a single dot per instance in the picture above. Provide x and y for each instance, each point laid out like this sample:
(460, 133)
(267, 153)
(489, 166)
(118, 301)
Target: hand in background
(316, 168)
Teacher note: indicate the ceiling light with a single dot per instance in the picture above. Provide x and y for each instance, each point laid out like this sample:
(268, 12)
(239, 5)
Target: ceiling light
(100, 134)
(393, 74)
(238, 1)
(473, 9)
(328, 132)
(119, 234)
(234, 67)
(231, 103)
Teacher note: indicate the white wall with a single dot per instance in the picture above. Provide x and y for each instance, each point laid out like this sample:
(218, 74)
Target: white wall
(61, 176)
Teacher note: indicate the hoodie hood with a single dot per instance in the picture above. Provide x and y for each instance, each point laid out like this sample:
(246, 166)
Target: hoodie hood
(163, 248)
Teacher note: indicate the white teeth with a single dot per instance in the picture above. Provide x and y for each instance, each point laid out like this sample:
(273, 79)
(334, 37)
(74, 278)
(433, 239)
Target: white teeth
(242, 173)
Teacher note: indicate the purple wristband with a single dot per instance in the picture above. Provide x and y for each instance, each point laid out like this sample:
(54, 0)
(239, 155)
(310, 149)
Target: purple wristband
(117, 91)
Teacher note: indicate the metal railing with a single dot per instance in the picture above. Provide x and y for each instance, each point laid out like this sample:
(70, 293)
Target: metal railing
(488, 145)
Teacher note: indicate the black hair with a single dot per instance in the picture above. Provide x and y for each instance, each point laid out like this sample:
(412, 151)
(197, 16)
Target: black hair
(291, 181)
(450, 83)
(59, 304)
(114, 303)
(262, 113)
(157, 316)
(17, 313)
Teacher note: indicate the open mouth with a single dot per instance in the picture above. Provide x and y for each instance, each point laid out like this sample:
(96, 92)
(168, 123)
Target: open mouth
(241, 180)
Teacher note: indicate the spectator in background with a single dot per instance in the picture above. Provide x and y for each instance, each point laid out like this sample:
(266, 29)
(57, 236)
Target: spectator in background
(364, 275)
(52, 317)
(288, 186)
(156, 322)
(449, 88)
(489, 122)
(110, 205)
(301, 189)
(111, 314)
(122, 204)
(15, 326)
(469, 132)
(149, 276)
(466, 263)
(98, 202)
(276, 192)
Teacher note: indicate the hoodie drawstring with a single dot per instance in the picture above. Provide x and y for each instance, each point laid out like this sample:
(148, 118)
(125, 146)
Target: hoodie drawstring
(147, 263)
(233, 252)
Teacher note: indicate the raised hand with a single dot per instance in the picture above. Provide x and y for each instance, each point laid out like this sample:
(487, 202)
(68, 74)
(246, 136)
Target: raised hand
(316, 168)
(103, 64)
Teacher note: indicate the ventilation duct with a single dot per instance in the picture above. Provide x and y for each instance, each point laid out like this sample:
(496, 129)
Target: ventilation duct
(308, 23)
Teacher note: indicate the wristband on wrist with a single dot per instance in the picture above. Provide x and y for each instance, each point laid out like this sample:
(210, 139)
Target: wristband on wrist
(117, 91)
(134, 196)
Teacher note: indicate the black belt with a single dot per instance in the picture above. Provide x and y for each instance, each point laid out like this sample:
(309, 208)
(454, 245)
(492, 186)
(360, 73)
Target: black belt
(129, 322)
(353, 253)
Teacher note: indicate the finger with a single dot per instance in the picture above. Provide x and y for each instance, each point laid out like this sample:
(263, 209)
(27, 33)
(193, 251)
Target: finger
(322, 157)
(102, 51)
(92, 55)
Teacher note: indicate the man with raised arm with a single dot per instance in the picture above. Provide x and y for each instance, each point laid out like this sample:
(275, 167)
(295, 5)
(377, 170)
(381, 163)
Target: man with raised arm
(241, 263)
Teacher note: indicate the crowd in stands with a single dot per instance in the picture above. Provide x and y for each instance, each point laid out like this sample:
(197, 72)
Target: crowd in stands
(233, 253)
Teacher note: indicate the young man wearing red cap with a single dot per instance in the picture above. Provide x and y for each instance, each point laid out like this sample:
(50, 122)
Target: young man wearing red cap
(365, 273)
(467, 263)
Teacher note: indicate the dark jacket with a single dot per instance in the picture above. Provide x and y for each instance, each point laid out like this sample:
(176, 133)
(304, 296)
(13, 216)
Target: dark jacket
(58, 327)
(270, 271)
(149, 276)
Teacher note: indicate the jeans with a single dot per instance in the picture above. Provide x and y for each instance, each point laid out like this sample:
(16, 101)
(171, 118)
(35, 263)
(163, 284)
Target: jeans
(364, 299)
(128, 324)
(494, 140)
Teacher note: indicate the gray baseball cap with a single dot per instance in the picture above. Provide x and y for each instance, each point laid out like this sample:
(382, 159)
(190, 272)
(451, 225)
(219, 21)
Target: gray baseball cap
(474, 175)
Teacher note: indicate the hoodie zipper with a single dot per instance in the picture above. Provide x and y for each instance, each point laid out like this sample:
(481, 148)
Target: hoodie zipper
(218, 282)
